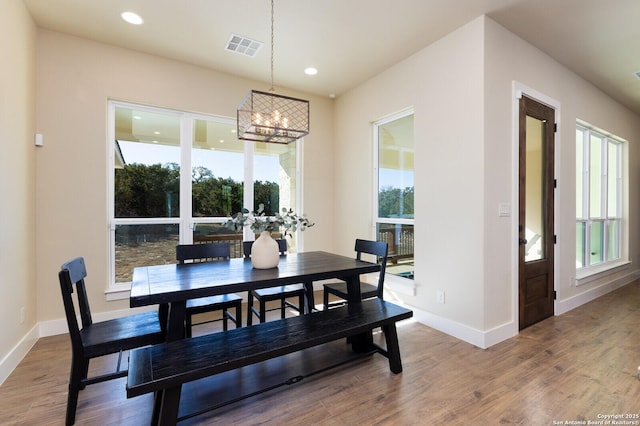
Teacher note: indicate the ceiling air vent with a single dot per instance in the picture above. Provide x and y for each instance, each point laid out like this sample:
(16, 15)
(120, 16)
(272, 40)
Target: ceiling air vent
(243, 46)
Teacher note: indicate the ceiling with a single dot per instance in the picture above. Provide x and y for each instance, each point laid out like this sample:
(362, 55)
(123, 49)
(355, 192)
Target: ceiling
(350, 41)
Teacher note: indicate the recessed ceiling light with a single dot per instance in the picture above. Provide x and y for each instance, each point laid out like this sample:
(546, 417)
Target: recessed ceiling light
(132, 18)
(310, 71)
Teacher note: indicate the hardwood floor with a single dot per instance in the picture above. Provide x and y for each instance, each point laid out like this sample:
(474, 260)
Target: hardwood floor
(577, 366)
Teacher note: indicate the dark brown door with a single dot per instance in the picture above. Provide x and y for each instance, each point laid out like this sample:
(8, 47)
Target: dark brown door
(536, 230)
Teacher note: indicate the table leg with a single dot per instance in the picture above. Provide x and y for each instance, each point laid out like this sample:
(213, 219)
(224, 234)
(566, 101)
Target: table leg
(166, 402)
(353, 289)
(308, 296)
(163, 316)
(177, 315)
(360, 343)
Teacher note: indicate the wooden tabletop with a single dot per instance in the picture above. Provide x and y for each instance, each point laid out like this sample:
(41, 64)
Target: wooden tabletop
(173, 283)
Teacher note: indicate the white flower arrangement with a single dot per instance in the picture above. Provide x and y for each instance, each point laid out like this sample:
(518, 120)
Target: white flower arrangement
(260, 222)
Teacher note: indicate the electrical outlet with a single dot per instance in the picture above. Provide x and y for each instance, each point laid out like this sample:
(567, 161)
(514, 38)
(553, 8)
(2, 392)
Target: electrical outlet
(440, 296)
(22, 315)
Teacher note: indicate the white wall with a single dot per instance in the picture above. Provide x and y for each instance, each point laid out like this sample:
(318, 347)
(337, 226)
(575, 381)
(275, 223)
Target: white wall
(462, 91)
(75, 79)
(17, 181)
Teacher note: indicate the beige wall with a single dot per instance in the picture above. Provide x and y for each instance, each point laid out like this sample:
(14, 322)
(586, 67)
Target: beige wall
(461, 89)
(444, 84)
(75, 79)
(509, 58)
(17, 174)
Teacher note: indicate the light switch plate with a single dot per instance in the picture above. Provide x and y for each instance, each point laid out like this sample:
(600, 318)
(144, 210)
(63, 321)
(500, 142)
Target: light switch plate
(504, 210)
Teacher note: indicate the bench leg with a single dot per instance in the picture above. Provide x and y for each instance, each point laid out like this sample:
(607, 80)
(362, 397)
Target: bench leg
(393, 349)
(165, 407)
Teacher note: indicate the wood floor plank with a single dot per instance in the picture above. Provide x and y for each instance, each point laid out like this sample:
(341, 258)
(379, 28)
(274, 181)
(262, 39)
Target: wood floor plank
(571, 367)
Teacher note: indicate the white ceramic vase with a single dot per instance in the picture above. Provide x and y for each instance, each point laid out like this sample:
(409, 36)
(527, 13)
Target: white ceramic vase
(265, 253)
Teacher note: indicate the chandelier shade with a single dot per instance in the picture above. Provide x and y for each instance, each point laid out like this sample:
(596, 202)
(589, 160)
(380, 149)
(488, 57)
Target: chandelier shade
(268, 117)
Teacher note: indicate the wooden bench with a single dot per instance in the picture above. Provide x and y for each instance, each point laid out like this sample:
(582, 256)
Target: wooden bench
(165, 367)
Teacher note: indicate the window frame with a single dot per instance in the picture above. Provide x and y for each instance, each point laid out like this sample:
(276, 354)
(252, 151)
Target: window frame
(586, 222)
(376, 219)
(185, 220)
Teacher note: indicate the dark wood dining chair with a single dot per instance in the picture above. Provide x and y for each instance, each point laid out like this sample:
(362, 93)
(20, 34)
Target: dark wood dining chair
(206, 253)
(368, 291)
(96, 339)
(281, 293)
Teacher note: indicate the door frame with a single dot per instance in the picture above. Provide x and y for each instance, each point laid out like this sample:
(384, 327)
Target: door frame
(519, 89)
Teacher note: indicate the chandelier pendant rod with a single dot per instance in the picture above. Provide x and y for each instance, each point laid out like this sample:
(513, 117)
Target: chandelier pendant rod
(272, 38)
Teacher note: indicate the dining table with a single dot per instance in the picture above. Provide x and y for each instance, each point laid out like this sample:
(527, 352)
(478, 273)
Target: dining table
(163, 368)
(171, 285)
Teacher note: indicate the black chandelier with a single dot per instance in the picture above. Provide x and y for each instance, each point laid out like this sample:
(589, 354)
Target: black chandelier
(267, 117)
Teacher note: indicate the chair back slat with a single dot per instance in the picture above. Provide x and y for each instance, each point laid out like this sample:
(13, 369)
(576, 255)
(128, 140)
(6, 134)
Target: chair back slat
(378, 249)
(282, 247)
(77, 269)
(203, 252)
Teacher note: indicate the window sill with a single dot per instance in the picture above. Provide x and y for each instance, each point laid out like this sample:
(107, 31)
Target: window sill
(119, 291)
(584, 276)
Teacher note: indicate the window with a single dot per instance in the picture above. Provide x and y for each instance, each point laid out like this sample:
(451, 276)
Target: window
(176, 178)
(598, 197)
(394, 178)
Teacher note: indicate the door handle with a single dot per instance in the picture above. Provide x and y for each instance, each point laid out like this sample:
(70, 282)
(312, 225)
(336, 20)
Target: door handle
(522, 241)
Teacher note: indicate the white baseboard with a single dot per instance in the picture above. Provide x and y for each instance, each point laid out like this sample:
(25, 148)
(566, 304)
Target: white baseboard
(565, 305)
(499, 334)
(485, 339)
(479, 338)
(19, 351)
